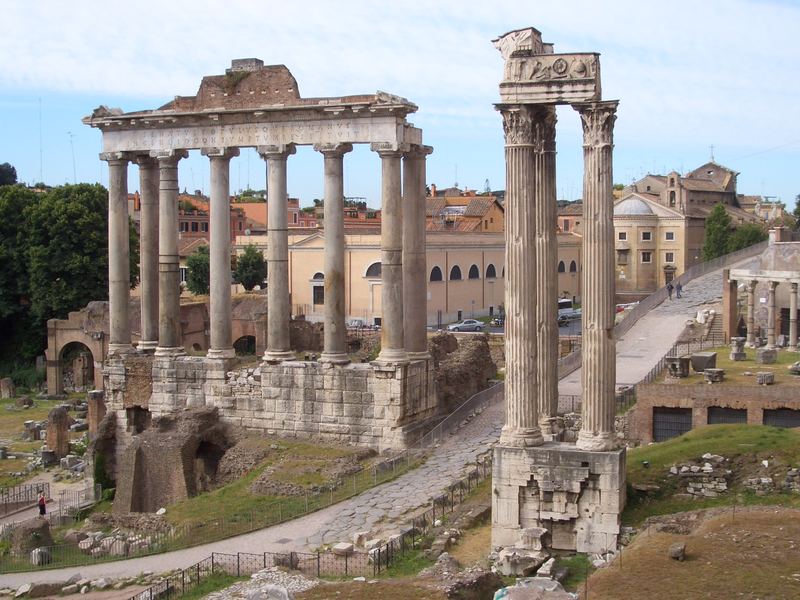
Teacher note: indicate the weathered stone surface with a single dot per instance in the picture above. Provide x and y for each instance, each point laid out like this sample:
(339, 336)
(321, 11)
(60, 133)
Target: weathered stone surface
(766, 356)
(794, 368)
(41, 589)
(23, 590)
(677, 551)
(342, 549)
(40, 557)
(703, 360)
(30, 534)
(714, 375)
(58, 422)
(765, 378)
(519, 561)
(737, 349)
(7, 389)
(677, 366)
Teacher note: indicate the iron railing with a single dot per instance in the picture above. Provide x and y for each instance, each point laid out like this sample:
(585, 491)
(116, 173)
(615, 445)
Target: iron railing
(24, 495)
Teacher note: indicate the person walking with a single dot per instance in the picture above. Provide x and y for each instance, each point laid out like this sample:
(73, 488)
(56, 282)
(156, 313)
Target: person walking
(42, 504)
(678, 289)
(669, 290)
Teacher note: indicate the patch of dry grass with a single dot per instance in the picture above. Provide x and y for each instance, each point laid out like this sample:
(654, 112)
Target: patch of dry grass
(386, 589)
(474, 546)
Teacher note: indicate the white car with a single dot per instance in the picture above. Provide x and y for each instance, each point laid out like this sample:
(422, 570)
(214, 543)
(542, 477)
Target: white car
(467, 325)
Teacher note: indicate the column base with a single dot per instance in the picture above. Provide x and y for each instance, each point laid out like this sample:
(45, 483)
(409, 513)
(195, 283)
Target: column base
(221, 353)
(147, 346)
(120, 349)
(595, 442)
(552, 428)
(167, 351)
(520, 437)
(335, 358)
(412, 356)
(391, 356)
(278, 355)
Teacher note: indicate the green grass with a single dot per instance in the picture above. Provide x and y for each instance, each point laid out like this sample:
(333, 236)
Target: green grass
(578, 569)
(734, 370)
(410, 563)
(212, 583)
(747, 444)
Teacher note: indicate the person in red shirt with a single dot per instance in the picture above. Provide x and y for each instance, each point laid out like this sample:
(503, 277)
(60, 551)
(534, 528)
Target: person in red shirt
(42, 504)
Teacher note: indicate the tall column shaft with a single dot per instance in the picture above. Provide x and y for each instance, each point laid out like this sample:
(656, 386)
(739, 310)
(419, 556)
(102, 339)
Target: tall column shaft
(335, 332)
(546, 304)
(169, 280)
(392, 336)
(598, 374)
(522, 378)
(771, 314)
(278, 301)
(793, 317)
(415, 299)
(148, 251)
(751, 314)
(221, 344)
(119, 276)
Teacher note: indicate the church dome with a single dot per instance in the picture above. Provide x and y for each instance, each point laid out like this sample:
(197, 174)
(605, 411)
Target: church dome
(632, 206)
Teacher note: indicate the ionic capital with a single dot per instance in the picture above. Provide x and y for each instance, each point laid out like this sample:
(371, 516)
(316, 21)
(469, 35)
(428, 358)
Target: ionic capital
(223, 153)
(388, 149)
(169, 158)
(598, 120)
(276, 151)
(116, 158)
(418, 151)
(145, 161)
(335, 150)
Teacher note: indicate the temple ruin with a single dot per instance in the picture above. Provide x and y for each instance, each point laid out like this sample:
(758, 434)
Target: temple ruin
(566, 496)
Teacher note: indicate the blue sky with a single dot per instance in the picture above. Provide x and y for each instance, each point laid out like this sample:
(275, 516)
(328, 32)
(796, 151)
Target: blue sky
(693, 75)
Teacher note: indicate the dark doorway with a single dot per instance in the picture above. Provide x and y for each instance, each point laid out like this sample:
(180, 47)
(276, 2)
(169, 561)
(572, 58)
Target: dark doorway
(670, 422)
(717, 415)
(782, 417)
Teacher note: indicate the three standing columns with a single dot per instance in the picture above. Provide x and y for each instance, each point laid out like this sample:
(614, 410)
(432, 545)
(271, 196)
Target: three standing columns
(278, 301)
(335, 331)
(221, 344)
(598, 368)
(148, 251)
(392, 336)
(751, 314)
(522, 427)
(169, 281)
(415, 281)
(119, 275)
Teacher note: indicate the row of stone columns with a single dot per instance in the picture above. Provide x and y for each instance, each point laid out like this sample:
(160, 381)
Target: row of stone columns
(402, 253)
(531, 263)
(771, 314)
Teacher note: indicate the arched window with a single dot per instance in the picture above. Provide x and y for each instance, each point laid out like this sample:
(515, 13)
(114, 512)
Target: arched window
(436, 274)
(374, 271)
(672, 198)
(474, 273)
(561, 266)
(491, 272)
(455, 273)
(318, 276)
(573, 267)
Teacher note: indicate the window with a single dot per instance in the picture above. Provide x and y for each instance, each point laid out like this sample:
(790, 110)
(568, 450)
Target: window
(669, 236)
(319, 294)
(671, 182)
(573, 267)
(647, 236)
(436, 274)
(318, 276)
(622, 257)
(474, 272)
(647, 257)
(486, 224)
(184, 226)
(561, 267)
(491, 219)
(204, 227)
(669, 257)
(491, 272)
(374, 271)
(294, 218)
(195, 226)
(241, 225)
(672, 198)
(622, 236)
(455, 274)
(566, 224)
(183, 273)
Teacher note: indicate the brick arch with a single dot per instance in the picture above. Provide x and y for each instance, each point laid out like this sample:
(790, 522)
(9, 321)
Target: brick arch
(57, 340)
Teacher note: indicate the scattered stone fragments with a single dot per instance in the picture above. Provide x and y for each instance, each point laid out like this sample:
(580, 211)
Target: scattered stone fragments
(533, 588)
(526, 556)
(267, 584)
(794, 368)
(706, 478)
(766, 356)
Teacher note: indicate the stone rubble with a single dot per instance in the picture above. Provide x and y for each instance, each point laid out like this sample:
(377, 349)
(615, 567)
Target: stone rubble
(262, 586)
(705, 478)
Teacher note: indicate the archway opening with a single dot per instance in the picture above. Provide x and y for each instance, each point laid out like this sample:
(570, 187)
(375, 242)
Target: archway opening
(245, 345)
(77, 367)
(206, 464)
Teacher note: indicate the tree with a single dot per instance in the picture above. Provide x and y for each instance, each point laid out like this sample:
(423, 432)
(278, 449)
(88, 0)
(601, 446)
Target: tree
(198, 275)
(250, 268)
(718, 225)
(8, 174)
(746, 235)
(14, 199)
(796, 213)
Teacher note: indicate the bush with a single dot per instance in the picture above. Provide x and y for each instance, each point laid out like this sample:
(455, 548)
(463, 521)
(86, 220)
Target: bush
(24, 376)
(108, 495)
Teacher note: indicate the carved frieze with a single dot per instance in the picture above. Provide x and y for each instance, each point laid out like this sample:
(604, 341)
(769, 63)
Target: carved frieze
(551, 79)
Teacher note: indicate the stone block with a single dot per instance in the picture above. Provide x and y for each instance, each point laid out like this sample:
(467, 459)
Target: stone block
(766, 356)
(342, 549)
(7, 389)
(677, 366)
(765, 378)
(714, 375)
(703, 360)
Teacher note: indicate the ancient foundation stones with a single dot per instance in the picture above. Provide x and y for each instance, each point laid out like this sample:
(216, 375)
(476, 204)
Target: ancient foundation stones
(765, 378)
(703, 360)
(766, 356)
(7, 389)
(714, 375)
(677, 366)
(58, 423)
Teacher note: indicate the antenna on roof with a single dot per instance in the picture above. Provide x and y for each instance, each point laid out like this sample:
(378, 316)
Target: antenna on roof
(486, 187)
(455, 183)
(711, 147)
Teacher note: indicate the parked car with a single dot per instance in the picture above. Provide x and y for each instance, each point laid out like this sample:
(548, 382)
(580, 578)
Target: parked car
(467, 325)
(567, 316)
(497, 322)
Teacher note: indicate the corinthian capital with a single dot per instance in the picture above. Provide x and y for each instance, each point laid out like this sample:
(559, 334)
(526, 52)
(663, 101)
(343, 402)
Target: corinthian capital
(518, 121)
(598, 120)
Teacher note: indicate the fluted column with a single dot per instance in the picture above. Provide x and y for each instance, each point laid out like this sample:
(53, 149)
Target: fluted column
(279, 310)
(119, 273)
(771, 314)
(148, 251)
(392, 336)
(793, 318)
(598, 368)
(221, 344)
(415, 279)
(335, 332)
(546, 303)
(751, 314)
(522, 379)
(169, 279)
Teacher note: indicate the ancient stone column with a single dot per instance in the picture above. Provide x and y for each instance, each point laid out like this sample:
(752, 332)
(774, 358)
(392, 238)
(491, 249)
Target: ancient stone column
(771, 314)
(221, 344)
(278, 301)
(522, 379)
(598, 368)
(169, 279)
(148, 252)
(751, 314)
(793, 318)
(546, 303)
(335, 332)
(392, 336)
(415, 274)
(119, 276)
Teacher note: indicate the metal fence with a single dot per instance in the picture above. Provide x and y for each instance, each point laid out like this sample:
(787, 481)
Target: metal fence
(681, 349)
(24, 495)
